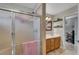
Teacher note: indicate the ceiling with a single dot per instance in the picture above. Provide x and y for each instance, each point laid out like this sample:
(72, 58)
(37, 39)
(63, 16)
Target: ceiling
(51, 8)
(19, 7)
(54, 8)
(23, 7)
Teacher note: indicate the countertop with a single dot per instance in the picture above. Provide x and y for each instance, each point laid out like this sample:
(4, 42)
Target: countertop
(54, 36)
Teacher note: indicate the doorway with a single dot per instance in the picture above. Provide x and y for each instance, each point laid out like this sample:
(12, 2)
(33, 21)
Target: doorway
(70, 33)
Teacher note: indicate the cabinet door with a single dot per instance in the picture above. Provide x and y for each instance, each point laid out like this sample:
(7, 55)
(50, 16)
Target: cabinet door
(48, 45)
(57, 42)
(52, 44)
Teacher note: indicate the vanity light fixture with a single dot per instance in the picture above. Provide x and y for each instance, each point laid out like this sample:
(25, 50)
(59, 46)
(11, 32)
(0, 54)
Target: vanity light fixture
(48, 19)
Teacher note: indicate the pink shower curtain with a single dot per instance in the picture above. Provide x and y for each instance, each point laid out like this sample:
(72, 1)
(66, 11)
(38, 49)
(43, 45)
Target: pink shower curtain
(30, 48)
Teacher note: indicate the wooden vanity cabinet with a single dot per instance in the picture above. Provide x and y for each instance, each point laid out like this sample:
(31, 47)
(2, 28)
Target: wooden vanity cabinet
(52, 44)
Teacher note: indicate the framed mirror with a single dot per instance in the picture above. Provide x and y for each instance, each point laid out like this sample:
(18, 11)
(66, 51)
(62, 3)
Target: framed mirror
(48, 25)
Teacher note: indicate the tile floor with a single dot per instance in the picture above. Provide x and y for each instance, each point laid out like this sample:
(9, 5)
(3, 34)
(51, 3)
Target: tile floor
(69, 50)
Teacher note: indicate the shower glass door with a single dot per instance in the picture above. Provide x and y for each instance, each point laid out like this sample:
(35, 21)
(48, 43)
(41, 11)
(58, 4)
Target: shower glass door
(5, 33)
(26, 44)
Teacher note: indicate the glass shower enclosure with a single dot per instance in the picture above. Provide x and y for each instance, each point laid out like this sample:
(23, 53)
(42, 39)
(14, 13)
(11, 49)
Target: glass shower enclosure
(19, 34)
